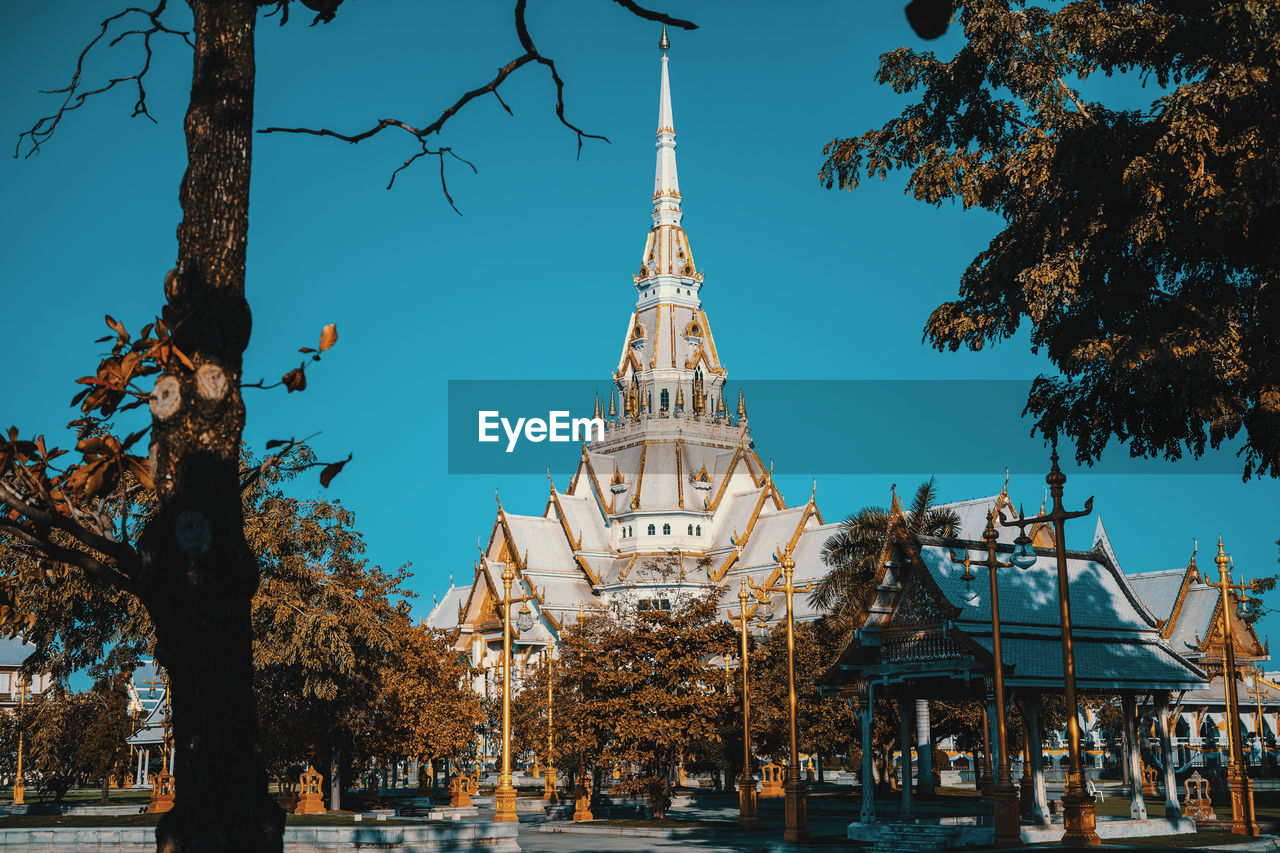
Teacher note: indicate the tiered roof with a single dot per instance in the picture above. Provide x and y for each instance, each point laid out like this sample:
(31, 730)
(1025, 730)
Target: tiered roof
(676, 455)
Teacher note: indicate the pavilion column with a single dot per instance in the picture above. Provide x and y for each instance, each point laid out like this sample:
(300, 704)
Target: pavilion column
(991, 742)
(924, 749)
(1035, 755)
(1171, 809)
(906, 707)
(868, 746)
(146, 766)
(984, 777)
(138, 777)
(1133, 758)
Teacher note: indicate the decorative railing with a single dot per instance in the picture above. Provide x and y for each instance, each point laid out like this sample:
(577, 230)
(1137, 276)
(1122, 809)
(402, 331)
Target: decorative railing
(918, 646)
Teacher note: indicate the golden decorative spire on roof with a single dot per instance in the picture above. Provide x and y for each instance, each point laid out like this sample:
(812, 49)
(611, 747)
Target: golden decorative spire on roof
(613, 409)
(895, 508)
(742, 404)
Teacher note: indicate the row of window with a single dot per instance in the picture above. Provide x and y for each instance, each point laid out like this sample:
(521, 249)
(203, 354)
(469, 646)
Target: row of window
(694, 530)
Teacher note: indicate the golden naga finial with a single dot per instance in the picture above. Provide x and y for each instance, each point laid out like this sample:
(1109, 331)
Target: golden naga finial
(814, 491)
(786, 562)
(497, 498)
(895, 507)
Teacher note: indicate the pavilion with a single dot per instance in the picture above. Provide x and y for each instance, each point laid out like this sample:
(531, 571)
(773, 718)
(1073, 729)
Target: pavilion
(926, 633)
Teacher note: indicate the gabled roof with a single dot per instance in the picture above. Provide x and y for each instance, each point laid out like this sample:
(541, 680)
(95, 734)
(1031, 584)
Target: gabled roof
(1117, 642)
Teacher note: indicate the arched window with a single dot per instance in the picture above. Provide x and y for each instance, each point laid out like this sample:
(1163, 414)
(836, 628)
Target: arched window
(690, 529)
(651, 529)
(699, 533)
(665, 399)
(666, 530)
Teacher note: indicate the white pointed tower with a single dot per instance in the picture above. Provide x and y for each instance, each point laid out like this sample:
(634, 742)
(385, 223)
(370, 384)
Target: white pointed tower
(674, 499)
(669, 365)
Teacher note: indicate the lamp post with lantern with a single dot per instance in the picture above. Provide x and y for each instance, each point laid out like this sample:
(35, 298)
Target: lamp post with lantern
(20, 786)
(1242, 813)
(747, 816)
(1004, 796)
(797, 829)
(1079, 818)
(505, 798)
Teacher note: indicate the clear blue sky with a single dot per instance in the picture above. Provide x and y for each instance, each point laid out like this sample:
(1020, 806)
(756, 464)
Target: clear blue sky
(534, 281)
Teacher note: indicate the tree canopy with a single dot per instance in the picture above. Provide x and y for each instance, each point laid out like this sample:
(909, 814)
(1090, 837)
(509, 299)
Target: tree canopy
(1138, 243)
(649, 684)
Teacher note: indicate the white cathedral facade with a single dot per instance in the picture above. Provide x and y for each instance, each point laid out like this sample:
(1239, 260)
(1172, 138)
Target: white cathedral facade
(676, 480)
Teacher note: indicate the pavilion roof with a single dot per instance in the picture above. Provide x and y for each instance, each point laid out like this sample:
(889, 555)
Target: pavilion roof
(921, 592)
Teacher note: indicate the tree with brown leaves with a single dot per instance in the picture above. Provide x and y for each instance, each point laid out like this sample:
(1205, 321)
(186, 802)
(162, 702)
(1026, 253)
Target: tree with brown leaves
(188, 563)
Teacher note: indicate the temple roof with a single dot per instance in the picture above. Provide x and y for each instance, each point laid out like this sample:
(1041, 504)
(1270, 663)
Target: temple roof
(1189, 608)
(927, 622)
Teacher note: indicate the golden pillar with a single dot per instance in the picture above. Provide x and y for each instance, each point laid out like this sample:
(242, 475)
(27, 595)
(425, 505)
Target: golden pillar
(549, 772)
(746, 783)
(1004, 797)
(19, 786)
(795, 807)
(1242, 814)
(505, 798)
(1079, 818)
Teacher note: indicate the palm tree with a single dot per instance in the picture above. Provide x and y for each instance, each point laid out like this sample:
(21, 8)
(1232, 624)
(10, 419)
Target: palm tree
(853, 552)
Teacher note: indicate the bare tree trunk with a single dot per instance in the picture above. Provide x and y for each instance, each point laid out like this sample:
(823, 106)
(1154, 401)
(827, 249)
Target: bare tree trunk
(106, 789)
(198, 574)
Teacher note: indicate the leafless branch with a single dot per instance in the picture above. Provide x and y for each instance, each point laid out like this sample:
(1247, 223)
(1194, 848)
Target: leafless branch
(650, 15)
(531, 54)
(75, 96)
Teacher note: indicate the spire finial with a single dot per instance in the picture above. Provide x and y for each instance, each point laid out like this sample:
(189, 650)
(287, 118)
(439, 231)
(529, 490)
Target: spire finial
(664, 44)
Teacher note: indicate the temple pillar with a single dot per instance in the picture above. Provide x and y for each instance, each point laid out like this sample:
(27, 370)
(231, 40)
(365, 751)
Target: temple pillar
(924, 750)
(868, 746)
(1133, 757)
(139, 778)
(906, 707)
(1171, 809)
(1035, 756)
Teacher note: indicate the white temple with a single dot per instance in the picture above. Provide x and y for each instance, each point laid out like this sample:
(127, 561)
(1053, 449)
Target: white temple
(674, 498)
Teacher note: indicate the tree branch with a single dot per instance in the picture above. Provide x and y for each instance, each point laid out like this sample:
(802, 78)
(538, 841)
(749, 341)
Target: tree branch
(124, 555)
(531, 54)
(75, 97)
(81, 559)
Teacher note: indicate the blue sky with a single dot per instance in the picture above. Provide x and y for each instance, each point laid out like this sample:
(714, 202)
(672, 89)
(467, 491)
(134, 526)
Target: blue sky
(534, 280)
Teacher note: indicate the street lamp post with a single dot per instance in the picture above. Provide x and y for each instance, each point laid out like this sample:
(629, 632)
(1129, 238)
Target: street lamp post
(549, 771)
(505, 798)
(1242, 814)
(1004, 796)
(797, 829)
(1079, 818)
(19, 786)
(746, 784)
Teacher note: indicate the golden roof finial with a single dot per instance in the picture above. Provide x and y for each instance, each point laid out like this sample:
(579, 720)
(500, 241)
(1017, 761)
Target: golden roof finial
(1223, 561)
(814, 490)
(895, 508)
(613, 409)
(595, 411)
(742, 403)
